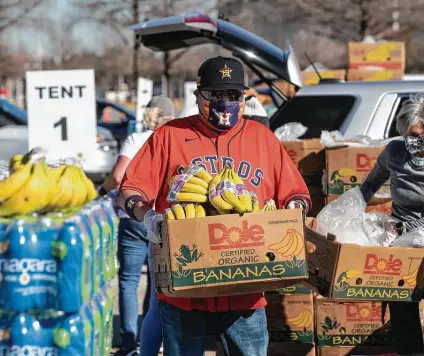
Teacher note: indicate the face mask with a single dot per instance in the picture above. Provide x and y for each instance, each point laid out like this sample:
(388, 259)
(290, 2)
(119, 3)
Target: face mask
(414, 144)
(221, 114)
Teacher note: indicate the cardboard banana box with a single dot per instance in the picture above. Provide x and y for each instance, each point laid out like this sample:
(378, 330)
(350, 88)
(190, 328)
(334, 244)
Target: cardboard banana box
(356, 351)
(368, 75)
(298, 288)
(364, 323)
(354, 272)
(387, 55)
(290, 317)
(310, 77)
(231, 254)
(347, 167)
(282, 349)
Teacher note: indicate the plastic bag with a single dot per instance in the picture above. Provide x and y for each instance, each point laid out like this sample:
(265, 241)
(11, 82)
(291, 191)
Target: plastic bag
(290, 131)
(413, 238)
(336, 139)
(345, 217)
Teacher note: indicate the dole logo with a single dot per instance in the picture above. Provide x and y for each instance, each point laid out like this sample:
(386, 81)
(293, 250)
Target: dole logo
(378, 265)
(364, 163)
(357, 312)
(222, 237)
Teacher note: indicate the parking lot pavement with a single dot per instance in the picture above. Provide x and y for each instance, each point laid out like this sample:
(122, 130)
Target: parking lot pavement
(141, 291)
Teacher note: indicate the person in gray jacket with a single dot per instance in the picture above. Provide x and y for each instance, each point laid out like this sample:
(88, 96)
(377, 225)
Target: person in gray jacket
(402, 161)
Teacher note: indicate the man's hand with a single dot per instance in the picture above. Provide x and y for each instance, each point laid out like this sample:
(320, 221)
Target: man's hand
(299, 204)
(153, 222)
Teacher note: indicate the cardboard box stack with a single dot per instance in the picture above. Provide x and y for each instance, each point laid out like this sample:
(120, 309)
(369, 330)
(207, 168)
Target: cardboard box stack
(310, 76)
(376, 61)
(347, 167)
(309, 157)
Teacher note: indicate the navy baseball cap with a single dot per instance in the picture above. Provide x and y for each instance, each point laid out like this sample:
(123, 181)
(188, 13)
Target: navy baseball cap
(221, 73)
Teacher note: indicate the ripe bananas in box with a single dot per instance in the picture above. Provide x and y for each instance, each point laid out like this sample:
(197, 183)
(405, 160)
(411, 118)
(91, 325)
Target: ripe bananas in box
(191, 186)
(269, 205)
(33, 187)
(186, 211)
(227, 193)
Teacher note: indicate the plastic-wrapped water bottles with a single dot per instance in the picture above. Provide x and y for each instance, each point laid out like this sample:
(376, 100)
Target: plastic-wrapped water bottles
(55, 292)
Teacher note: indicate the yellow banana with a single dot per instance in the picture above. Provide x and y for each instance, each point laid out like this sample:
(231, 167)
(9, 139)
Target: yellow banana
(89, 185)
(179, 212)
(200, 211)
(353, 273)
(65, 189)
(215, 198)
(190, 211)
(244, 195)
(53, 190)
(82, 186)
(80, 190)
(169, 214)
(192, 198)
(269, 205)
(192, 180)
(346, 172)
(15, 163)
(15, 181)
(193, 188)
(203, 174)
(75, 199)
(31, 197)
(229, 196)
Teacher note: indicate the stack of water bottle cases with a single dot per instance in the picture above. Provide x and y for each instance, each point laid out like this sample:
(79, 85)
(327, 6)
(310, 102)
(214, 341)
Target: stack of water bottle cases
(56, 296)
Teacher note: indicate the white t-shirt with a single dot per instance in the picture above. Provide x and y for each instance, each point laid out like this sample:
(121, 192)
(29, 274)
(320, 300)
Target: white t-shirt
(129, 149)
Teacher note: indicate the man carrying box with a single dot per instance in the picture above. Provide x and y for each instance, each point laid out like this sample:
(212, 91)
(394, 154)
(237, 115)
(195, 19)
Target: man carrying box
(217, 135)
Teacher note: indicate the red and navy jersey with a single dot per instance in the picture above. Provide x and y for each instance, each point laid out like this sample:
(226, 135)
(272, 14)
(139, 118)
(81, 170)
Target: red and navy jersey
(258, 158)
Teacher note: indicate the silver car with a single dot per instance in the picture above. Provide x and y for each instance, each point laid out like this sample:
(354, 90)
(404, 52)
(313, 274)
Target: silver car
(14, 140)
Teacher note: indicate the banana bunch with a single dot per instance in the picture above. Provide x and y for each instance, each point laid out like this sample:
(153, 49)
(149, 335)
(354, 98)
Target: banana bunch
(191, 186)
(303, 320)
(227, 193)
(411, 279)
(33, 187)
(291, 244)
(269, 205)
(186, 211)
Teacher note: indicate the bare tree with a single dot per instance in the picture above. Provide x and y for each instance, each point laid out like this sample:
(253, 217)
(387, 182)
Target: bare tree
(16, 12)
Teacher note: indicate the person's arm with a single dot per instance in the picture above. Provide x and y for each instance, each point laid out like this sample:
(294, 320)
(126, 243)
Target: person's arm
(378, 176)
(114, 179)
(140, 185)
(291, 190)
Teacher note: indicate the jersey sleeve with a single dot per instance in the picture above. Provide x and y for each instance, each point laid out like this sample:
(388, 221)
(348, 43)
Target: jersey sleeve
(145, 173)
(288, 181)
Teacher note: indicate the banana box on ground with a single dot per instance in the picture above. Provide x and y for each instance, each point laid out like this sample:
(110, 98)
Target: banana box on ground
(298, 288)
(354, 272)
(387, 55)
(231, 254)
(290, 319)
(347, 167)
(356, 351)
(365, 323)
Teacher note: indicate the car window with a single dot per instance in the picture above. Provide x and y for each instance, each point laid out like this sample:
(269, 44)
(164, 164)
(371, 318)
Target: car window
(5, 121)
(111, 115)
(317, 113)
(393, 131)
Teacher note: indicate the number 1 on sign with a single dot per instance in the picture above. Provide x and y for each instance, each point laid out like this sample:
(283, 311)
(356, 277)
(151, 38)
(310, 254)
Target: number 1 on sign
(63, 127)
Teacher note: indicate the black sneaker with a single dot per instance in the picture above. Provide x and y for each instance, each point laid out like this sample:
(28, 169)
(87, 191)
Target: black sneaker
(133, 351)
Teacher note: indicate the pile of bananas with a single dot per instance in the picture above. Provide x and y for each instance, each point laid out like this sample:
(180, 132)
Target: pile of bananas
(33, 187)
(225, 193)
(185, 211)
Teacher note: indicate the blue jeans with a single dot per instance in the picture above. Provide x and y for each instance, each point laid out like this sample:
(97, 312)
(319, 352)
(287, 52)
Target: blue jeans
(132, 254)
(151, 330)
(242, 332)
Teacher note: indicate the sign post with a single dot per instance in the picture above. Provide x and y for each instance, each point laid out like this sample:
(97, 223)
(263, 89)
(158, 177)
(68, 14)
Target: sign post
(62, 112)
(144, 95)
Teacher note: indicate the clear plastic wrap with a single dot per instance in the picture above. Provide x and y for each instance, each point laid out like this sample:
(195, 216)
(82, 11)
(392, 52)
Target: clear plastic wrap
(345, 217)
(291, 131)
(413, 238)
(336, 139)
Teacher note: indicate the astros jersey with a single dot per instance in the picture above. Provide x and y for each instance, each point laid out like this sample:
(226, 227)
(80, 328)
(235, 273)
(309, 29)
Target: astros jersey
(258, 158)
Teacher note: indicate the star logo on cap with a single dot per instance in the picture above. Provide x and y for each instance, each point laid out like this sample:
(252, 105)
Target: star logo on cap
(226, 72)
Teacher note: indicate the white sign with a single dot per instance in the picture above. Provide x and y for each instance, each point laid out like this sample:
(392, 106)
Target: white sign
(144, 95)
(189, 98)
(62, 112)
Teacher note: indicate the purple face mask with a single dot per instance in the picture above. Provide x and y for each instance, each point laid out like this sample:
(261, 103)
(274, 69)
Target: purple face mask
(224, 114)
